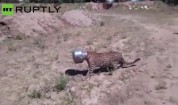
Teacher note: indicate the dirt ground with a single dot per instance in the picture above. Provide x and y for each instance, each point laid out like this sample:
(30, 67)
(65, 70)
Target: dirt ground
(37, 67)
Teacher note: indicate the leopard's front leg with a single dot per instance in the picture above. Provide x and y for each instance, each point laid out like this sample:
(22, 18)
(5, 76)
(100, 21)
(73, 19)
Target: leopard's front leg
(90, 72)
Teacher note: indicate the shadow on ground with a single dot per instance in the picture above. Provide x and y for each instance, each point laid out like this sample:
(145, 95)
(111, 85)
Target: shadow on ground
(73, 72)
(175, 33)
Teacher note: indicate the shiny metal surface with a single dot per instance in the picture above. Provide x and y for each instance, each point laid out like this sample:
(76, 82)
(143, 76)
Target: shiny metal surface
(79, 55)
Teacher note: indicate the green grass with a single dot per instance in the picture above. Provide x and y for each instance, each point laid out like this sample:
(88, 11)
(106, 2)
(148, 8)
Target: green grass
(11, 47)
(35, 94)
(61, 83)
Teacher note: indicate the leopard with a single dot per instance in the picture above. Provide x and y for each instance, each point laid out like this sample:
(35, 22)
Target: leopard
(107, 60)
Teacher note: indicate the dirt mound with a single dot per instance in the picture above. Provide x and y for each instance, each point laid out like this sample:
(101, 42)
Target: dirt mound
(94, 6)
(35, 24)
(79, 18)
(31, 24)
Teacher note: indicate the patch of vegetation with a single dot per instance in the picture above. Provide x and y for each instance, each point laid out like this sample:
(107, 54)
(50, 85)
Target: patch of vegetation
(35, 94)
(66, 37)
(11, 48)
(89, 87)
(19, 37)
(71, 99)
(61, 83)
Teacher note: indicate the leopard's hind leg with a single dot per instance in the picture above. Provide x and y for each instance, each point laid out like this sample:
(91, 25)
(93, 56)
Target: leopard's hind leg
(112, 68)
(109, 70)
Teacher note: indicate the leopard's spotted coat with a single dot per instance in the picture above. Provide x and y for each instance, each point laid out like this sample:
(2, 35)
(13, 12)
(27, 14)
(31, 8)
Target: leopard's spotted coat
(107, 59)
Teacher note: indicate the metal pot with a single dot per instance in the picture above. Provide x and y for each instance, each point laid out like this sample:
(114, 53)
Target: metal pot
(79, 55)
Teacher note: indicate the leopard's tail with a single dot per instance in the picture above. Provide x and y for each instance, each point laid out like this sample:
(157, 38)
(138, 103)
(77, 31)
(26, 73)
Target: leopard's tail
(131, 63)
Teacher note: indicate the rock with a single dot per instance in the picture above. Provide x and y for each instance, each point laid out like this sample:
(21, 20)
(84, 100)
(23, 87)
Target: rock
(79, 18)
